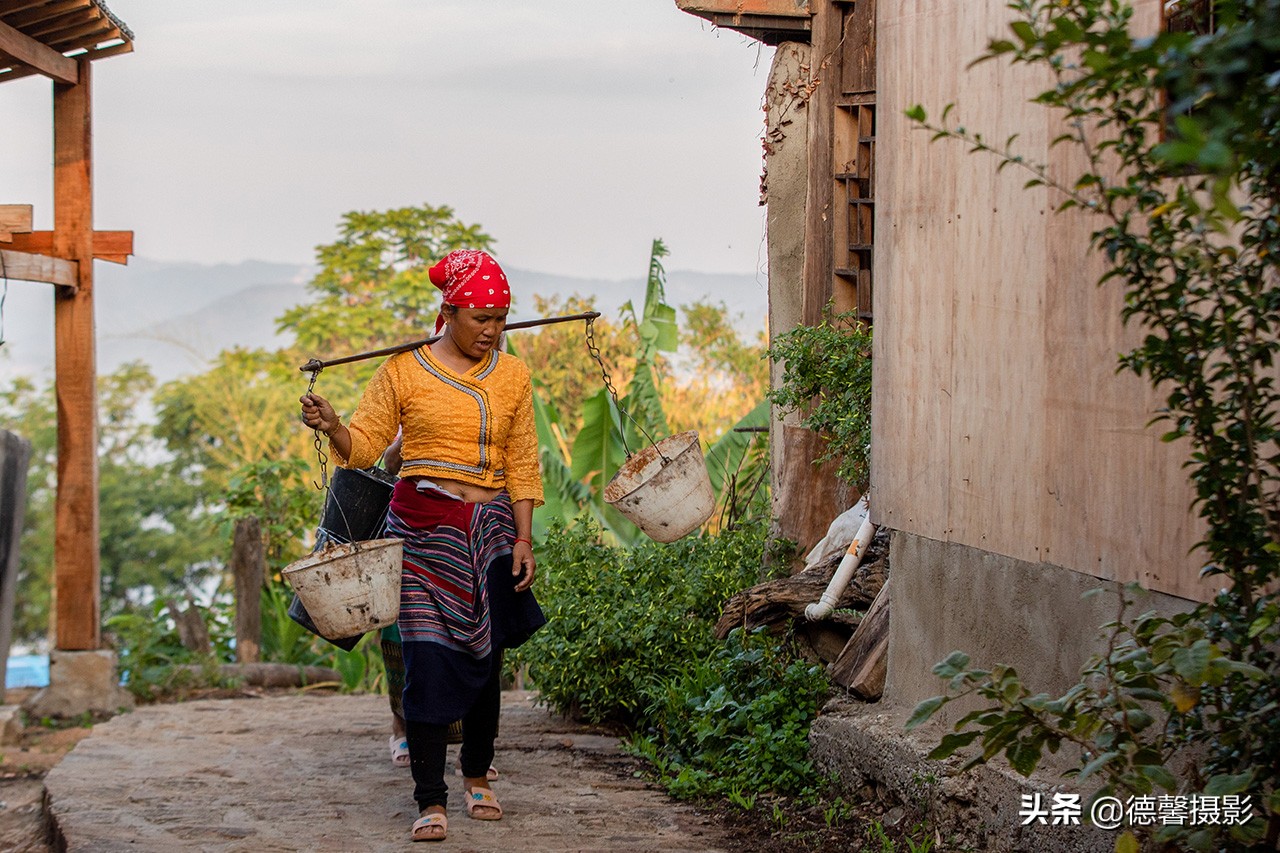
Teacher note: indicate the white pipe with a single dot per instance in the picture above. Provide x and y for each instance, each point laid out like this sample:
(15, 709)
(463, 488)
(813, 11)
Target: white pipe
(822, 608)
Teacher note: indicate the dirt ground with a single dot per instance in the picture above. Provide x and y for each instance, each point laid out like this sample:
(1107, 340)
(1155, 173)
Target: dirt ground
(291, 771)
(22, 770)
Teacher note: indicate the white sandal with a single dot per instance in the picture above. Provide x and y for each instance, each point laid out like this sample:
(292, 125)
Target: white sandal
(399, 751)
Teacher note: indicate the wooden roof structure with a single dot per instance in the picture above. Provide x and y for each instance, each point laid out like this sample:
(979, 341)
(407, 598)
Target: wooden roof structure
(47, 36)
(58, 39)
(770, 21)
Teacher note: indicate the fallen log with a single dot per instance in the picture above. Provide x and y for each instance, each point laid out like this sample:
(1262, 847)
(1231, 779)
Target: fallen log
(861, 667)
(271, 674)
(778, 602)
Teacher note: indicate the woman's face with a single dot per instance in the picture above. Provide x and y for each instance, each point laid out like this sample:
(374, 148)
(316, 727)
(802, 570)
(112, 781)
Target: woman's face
(475, 331)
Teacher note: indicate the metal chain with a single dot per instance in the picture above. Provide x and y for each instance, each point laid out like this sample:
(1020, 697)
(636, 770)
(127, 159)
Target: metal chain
(613, 392)
(320, 454)
(604, 371)
(608, 380)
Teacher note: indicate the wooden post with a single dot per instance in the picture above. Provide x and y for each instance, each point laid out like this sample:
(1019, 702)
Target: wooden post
(819, 216)
(248, 565)
(76, 567)
(15, 456)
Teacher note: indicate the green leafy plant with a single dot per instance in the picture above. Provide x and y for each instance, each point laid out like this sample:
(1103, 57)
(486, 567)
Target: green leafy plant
(826, 377)
(736, 720)
(622, 619)
(1180, 137)
(152, 661)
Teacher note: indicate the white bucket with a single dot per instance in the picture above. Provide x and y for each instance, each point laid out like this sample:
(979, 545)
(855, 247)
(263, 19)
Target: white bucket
(350, 589)
(665, 498)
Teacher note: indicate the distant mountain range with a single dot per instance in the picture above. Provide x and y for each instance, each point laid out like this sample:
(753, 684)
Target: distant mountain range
(176, 316)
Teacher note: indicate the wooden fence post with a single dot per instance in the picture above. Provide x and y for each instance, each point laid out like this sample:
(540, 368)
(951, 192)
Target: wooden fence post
(248, 564)
(15, 456)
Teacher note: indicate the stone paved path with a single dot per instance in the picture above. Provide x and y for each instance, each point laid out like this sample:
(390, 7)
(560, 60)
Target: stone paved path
(291, 773)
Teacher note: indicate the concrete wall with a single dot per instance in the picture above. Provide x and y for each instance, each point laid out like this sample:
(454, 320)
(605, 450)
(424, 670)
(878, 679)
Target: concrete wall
(998, 610)
(947, 597)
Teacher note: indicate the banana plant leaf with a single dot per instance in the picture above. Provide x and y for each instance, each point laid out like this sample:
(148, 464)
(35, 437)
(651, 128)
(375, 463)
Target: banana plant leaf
(565, 496)
(725, 457)
(645, 418)
(598, 453)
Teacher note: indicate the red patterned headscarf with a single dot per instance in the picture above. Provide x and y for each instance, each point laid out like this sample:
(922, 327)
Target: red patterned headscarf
(470, 278)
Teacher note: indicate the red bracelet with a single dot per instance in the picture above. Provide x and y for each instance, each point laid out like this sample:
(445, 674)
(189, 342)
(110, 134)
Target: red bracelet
(525, 541)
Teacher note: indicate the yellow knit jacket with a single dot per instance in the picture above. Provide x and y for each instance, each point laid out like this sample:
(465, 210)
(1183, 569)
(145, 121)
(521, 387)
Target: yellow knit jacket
(475, 427)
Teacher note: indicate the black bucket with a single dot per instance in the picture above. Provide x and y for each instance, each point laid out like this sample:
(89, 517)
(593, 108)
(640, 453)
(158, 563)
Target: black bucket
(355, 510)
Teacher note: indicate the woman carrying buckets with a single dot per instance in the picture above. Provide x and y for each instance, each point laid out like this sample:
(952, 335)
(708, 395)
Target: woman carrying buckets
(464, 508)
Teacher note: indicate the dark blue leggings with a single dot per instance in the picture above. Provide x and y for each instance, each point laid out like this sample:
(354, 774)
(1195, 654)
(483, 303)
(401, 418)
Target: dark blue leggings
(427, 743)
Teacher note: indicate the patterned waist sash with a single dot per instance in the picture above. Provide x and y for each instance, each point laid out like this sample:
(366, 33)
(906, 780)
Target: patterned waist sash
(448, 546)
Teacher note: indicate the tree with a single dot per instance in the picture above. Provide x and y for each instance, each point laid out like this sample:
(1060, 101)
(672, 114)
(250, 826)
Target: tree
(234, 428)
(156, 533)
(372, 289)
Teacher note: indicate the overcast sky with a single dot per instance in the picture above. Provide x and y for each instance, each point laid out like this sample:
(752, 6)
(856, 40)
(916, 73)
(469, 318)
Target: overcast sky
(573, 132)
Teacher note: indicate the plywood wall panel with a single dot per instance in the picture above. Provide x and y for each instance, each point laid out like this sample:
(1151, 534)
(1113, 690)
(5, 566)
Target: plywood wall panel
(1000, 422)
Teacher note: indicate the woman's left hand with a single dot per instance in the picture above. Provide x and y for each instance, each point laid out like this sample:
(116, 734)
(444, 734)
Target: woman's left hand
(523, 566)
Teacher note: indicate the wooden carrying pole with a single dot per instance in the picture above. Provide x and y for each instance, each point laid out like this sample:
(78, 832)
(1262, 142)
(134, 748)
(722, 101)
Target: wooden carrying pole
(316, 364)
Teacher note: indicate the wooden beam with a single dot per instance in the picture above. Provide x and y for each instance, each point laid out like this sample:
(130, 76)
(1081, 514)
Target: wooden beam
(15, 6)
(77, 32)
(77, 611)
(25, 266)
(113, 246)
(14, 219)
(779, 8)
(28, 51)
(15, 71)
(48, 11)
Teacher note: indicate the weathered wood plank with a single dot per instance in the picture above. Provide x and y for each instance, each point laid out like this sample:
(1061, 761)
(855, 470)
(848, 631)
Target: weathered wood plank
(862, 665)
(76, 525)
(26, 50)
(858, 65)
(806, 498)
(14, 218)
(24, 266)
(739, 8)
(1000, 420)
(113, 246)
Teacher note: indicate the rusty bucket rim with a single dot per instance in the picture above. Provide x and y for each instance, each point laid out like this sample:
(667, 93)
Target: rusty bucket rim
(694, 444)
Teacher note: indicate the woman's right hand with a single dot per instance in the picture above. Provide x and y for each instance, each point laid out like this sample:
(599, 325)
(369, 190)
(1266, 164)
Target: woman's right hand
(318, 414)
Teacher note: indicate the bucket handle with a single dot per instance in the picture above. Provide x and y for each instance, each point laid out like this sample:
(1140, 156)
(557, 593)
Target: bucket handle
(323, 457)
(613, 393)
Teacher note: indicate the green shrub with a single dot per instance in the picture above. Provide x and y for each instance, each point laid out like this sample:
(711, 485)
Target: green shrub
(826, 377)
(622, 621)
(153, 663)
(736, 720)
